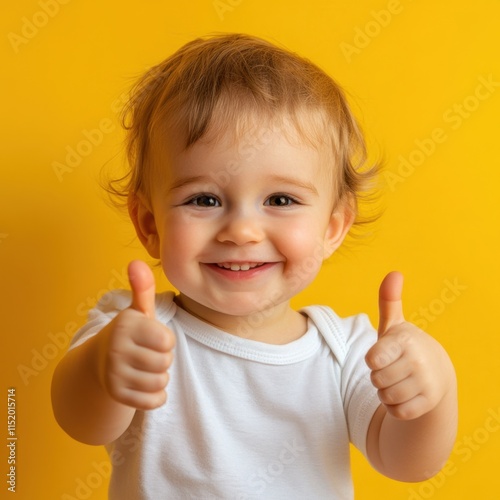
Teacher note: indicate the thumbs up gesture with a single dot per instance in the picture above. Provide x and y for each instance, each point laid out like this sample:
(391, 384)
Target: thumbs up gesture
(137, 349)
(410, 369)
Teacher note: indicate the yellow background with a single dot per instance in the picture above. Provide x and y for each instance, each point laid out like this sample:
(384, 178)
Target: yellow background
(61, 247)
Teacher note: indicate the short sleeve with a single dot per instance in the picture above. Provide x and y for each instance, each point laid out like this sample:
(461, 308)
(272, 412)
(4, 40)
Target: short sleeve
(349, 340)
(359, 395)
(108, 306)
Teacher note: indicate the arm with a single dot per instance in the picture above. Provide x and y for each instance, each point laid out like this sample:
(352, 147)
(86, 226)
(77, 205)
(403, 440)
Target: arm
(98, 386)
(414, 449)
(412, 433)
(81, 405)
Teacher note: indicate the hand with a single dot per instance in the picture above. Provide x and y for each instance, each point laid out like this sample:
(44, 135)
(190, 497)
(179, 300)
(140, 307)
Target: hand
(137, 349)
(410, 369)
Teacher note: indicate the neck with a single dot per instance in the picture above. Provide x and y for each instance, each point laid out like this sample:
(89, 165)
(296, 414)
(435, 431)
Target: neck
(279, 324)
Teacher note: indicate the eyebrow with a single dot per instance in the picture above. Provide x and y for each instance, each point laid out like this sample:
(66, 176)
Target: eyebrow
(190, 180)
(295, 182)
(272, 178)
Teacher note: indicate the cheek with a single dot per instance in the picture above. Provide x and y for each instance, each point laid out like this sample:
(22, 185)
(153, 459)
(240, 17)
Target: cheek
(302, 240)
(304, 249)
(177, 242)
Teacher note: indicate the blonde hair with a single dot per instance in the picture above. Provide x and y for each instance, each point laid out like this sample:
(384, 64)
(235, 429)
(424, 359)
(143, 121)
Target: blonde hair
(216, 82)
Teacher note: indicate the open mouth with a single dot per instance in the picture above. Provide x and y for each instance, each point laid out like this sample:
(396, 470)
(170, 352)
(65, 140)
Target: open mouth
(246, 266)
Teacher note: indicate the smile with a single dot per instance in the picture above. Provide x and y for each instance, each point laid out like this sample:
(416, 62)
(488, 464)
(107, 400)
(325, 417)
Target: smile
(242, 266)
(239, 267)
(237, 271)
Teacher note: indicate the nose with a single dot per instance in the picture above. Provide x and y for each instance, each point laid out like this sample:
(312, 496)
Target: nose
(240, 229)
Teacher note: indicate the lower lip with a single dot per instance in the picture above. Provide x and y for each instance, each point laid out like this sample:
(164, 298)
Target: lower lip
(241, 275)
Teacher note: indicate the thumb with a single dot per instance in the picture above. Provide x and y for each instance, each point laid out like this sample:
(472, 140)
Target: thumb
(143, 287)
(390, 302)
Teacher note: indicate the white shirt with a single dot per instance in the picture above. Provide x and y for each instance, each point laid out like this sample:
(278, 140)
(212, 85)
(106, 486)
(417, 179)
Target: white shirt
(246, 419)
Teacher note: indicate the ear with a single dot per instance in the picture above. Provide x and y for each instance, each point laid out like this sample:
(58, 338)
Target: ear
(144, 222)
(339, 224)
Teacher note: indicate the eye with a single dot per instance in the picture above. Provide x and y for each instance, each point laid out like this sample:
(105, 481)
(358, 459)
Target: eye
(280, 200)
(204, 200)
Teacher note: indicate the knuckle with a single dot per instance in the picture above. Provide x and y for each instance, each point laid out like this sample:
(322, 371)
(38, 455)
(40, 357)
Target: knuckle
(161, 363)
(403, 412)
(376, 358)
(407, 411)
(369, 360)
(393, 349)
(171, 338)
(418, 364)
(143, 404)
(159, 382)
(382, 359)
(162, 398)
(112, 381)
(385, 396)
(163, 339)
(169, 357)
(399, 412)
(151, 383)
(118, 394)
(405, 337)
(377, 379)
(155, 400)
(151, 403)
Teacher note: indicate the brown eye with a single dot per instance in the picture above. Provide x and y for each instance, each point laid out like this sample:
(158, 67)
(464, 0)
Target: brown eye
(205, 201)
(280, 200)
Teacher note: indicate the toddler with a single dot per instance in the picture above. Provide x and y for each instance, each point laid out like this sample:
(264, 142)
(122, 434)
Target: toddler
(246, 166)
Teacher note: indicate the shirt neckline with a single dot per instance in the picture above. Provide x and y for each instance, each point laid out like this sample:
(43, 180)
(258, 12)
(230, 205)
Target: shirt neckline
(252, 350)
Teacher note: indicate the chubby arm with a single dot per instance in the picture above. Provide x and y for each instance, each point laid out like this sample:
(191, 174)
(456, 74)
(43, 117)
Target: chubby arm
(81, 404)
(412, 433)
(98, 386)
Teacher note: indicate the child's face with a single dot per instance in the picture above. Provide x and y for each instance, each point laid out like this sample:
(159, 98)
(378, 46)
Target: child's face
(242, 226)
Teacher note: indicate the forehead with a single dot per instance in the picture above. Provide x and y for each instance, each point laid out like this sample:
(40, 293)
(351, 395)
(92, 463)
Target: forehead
(254, 142)
(258, 155)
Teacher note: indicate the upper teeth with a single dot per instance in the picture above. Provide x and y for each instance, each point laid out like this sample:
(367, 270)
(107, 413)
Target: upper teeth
(238, 267)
